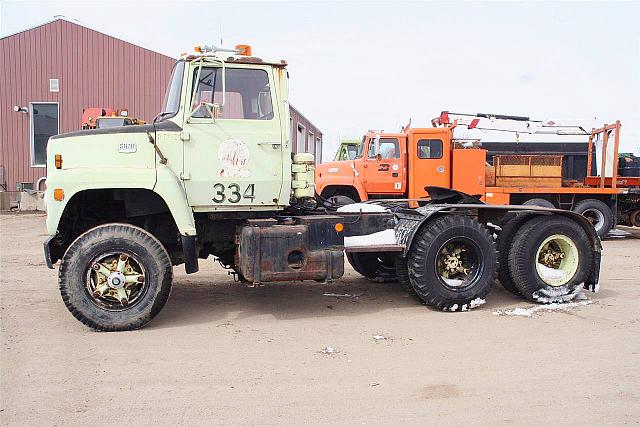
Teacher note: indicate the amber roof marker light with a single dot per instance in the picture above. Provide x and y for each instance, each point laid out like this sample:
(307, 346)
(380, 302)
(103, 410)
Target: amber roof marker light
(243, 49)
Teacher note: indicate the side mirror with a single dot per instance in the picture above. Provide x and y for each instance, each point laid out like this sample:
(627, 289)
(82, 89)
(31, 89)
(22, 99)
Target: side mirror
(379, 157)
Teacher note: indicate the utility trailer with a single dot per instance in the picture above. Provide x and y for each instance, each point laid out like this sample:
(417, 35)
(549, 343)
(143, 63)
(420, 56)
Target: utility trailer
(214, 175)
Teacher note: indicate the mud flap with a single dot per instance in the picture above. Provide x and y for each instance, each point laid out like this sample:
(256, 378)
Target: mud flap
(593, 284)
(190, 254)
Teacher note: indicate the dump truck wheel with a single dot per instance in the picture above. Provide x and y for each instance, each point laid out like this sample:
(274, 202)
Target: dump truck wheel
(550, 259)
(598, 213)
(452, 263)
(376, 266)
(634, 218)
(115, 277)
(543, 203)
(503, 243)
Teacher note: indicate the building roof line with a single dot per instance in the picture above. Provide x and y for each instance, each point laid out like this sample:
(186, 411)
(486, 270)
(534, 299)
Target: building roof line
(305, 117)
(80, 24)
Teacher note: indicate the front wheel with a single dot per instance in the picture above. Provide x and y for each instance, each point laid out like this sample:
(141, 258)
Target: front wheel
(452, 263)
(115, 277)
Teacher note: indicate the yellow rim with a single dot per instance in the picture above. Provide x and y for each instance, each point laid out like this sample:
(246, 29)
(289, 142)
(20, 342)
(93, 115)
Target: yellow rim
(557, 260)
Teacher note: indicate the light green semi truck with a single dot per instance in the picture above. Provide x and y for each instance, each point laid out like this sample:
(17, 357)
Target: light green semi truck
(214, 175)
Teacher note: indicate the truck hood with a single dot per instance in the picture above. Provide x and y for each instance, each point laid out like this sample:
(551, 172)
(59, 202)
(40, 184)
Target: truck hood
(147, 128)
(330, 170)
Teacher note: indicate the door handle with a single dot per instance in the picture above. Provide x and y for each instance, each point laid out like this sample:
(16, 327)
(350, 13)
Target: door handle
(270, 143)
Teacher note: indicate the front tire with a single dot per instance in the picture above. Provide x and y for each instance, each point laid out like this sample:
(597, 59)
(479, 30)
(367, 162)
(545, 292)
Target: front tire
(550, 259)
(452, 263)
(115, 277)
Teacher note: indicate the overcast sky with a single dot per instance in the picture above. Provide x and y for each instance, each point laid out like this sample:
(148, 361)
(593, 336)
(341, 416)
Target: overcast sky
(359, 66)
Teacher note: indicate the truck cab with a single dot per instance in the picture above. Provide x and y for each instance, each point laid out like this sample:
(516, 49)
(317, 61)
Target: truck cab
(401, 165)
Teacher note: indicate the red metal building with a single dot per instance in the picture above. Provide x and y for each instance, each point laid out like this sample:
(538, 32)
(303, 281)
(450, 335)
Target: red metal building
(50, 73)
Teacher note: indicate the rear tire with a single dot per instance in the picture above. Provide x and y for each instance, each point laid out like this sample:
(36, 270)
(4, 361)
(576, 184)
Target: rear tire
(452, 263)
(598, 213)
(115, 277)
(402, 272)
(377, 267)
(503, 243)
(550, 259)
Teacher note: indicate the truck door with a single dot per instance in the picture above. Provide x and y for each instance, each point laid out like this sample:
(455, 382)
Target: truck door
(383, 166)
(234, 159)
(429, 162)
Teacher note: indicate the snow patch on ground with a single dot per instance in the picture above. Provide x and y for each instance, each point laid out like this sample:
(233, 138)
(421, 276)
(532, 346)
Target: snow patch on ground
(329, 350)
(531, 311)
(329, 294)
(466, 307)
(618, 233)
(362, 207)
(559, 294)
(476, 303)
(379, 337)
(384, 237)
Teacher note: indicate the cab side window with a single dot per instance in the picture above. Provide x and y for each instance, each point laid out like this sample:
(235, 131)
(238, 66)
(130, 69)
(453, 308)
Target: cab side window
(389, 148)
(429, 149)
(247, 95)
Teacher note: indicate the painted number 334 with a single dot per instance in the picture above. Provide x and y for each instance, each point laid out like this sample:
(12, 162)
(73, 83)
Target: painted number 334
(231, 193)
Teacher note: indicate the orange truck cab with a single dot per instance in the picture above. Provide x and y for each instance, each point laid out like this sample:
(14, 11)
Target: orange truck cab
(401, 165)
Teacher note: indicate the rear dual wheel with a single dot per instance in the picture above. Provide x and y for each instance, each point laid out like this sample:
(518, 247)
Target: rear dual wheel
(550, 259)
(452, 263)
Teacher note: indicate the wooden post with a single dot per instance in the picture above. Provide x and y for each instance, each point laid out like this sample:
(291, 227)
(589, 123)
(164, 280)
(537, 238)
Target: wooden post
(605, 139)
(590, 152)
(614, 178)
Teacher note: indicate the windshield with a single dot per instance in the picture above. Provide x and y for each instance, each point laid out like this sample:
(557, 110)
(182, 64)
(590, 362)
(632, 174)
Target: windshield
(171, 103)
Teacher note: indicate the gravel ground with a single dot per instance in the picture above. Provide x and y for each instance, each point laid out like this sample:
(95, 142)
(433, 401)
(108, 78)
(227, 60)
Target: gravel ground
(223, 353)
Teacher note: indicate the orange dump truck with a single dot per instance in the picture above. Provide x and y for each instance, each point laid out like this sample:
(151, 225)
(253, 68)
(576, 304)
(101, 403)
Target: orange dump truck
(401, 166)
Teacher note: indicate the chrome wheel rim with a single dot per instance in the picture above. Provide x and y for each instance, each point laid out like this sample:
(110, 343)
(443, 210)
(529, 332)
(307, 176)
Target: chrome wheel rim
(557, 260)
(116, 281)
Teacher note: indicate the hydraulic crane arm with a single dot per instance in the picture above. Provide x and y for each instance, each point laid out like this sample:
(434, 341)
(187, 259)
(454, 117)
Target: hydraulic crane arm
(506, 123)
